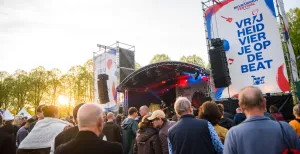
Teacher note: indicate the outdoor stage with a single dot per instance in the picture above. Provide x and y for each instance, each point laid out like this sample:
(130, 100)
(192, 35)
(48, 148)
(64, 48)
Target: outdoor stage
(161, 83)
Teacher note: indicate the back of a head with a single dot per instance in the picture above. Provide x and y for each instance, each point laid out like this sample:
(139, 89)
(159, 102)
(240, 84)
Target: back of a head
(89, 115)
(110, 115)
(75, 110)
(296, 110)
(273, 109)
(39, 108)
(182, 105)
(210, 111)
(50, 111)
(132, 110)
(145, 123)
(18, 121)
(251, 97)
(221, 108)
(145, 107)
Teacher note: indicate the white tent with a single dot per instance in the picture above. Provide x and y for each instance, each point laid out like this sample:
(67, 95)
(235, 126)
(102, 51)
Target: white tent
(7, 115)
(24, 113)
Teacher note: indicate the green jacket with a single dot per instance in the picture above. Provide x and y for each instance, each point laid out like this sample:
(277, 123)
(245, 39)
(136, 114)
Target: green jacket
(129, 128)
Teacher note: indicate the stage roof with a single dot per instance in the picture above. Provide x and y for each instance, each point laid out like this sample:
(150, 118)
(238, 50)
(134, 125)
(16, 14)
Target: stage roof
(158, 72)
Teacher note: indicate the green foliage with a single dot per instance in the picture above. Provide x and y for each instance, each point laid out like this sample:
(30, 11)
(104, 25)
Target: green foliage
(193, 59)
(41, 86)
(137, 66)
(160, 58)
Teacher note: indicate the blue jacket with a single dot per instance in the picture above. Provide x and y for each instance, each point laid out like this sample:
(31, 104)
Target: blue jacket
(193, 136)
(259, 135)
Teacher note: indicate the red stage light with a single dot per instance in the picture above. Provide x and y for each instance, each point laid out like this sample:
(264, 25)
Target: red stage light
(163, 82)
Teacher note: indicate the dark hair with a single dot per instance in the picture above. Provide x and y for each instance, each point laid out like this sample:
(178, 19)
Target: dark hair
(75, 110)
(40, 107)
(210, 111)
(273, 109)
(132, 110)
(49, 110)
(175, 118)
(145, 123)
(221, 108)
(119, 119)
(30, 120)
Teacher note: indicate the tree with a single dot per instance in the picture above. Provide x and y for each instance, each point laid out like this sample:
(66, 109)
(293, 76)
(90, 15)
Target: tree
(54, 84)
(38, 79)
(6, 83)
(293, 16)
(160, 58)
(20, 90)
(193, 59)
(137, 66)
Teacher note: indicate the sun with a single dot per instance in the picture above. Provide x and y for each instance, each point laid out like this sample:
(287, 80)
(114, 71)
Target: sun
(62, 100)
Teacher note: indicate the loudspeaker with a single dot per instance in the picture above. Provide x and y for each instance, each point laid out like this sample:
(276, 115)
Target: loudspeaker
(102, 88)
(124, 73)
(126, 58)
(219, 67)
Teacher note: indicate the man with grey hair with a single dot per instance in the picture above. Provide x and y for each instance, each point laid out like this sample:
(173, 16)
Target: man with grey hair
(264, 134)
(144, 110)
(90, 124)
(191, 135)
(296, 122)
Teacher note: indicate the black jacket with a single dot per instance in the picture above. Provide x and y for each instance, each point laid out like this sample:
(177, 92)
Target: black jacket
(87, 142)
(226, 123)
(7, 144)
(68, 135)
(147, 142)
(112, 132)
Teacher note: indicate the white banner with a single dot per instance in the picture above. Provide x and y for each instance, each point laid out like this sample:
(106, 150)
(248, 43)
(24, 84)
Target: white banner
(252, 44)
(105, 63)
(287, 38)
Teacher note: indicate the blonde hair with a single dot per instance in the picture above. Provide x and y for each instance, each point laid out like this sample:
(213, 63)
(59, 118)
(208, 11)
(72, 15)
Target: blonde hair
(18, 121)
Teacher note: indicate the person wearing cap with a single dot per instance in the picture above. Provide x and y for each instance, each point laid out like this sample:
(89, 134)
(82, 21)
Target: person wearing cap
(160, 121)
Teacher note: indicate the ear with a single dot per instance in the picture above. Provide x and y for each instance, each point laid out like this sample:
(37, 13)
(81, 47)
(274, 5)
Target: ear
(265, 104)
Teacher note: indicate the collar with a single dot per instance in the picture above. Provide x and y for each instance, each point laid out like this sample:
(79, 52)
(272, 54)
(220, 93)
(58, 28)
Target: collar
(256, 118)
(86, 135)
(187, 116)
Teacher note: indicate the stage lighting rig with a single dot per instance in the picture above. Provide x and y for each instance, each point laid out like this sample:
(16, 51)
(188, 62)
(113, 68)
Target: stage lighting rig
(196, 75)
(134, 82)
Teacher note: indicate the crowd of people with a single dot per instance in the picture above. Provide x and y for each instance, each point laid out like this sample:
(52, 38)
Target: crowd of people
(93, 131)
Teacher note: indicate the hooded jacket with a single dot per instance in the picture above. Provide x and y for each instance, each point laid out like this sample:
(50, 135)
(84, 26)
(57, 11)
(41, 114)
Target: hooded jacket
(129, 128)
(147, 142)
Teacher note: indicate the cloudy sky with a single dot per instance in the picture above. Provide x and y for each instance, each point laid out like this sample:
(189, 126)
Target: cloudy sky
(63, 33)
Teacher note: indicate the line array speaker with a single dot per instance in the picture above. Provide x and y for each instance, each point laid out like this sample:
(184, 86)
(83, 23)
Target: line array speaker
(102, 88)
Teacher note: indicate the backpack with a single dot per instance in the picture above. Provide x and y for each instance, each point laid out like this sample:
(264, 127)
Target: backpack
(289, 150)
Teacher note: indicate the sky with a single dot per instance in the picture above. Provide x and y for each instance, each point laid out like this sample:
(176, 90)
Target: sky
(64, 33)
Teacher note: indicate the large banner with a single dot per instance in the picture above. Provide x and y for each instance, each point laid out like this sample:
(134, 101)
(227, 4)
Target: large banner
(105, 63)
(252, 44)
(285, 23)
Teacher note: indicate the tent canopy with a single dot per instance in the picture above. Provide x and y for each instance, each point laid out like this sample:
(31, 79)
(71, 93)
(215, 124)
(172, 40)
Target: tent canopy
(7, 115)
(24, 113)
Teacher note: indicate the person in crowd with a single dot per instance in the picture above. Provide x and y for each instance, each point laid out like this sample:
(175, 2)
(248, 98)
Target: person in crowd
(104, 117)
(275, 113)
(111, 130)
(17, 124)
(39, 114)
(210, 112)
(119, 119)
(72, 120)
(267, 114)
(227, 115)
(144, 110)
(69, 134)
(7, 144)
(90, 125)
(129, 128)
(174, 118)
(239, 116)
(225, 122)
(41, 137)
(159, 120)
(258, 134)
(190, 135)
(296, 122)
(23, 132)
(147, 140)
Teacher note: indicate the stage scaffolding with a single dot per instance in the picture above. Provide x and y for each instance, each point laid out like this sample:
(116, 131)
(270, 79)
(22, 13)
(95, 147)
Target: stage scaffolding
(209, 3)
(122, 100)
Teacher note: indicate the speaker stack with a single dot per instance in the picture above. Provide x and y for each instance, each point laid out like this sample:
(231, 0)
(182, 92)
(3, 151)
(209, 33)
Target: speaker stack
(102, 88)
(126, 63)
(219, 65)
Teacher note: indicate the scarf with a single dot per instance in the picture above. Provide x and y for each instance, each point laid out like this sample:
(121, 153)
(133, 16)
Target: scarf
(43, 133)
